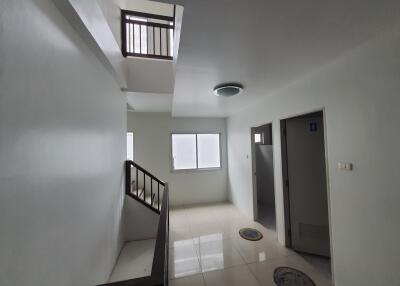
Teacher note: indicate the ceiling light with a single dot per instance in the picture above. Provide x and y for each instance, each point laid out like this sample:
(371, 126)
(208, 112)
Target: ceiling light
(228, 89)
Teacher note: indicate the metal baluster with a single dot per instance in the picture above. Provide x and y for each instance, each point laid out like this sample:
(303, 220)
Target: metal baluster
(137, 182)
(130, 180)
(154, 42)
(160, 43)
(140, 35)
(127, 177)
(144, 186)
(167, 35)
(158, 198)
(147, 39)
(151, 190)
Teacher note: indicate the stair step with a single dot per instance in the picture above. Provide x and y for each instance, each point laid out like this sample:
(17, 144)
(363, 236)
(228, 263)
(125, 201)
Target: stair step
(134, 261)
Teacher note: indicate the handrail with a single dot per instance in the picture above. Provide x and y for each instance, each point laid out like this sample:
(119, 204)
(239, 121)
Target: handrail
(160, 261)
(145, 171)
(159, 271)
(148, 15)
(150, 24)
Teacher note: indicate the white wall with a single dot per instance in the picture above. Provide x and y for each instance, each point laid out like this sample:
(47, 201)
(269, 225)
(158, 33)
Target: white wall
(112, 13)
(360, 94)
(62, 147)
(152, 141)
(150, 76)
(152, 7)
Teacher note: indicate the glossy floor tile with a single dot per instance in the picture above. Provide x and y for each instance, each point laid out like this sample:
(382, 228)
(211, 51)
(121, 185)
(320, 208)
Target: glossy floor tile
(194, 280)
(218, 254)
(210, 231)
(236, 276)
(180, 236)
(183, 261)
(206, 249)
(178, 219)
(259, 251)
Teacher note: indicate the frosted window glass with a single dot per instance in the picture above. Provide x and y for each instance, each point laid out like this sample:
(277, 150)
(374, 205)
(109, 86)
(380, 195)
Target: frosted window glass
(129, 146)
(208, 151)
(184, 151)
(257, 138)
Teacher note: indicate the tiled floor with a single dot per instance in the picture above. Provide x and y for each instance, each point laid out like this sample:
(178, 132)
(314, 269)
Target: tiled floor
(206, 250)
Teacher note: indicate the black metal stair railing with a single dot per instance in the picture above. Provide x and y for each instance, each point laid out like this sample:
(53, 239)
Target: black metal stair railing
(143, 186)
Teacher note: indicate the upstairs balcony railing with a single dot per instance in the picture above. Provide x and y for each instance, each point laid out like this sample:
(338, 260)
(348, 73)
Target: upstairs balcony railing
(147, 35)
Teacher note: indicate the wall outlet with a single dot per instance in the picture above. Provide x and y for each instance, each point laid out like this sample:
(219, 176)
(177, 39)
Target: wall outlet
(345, 166)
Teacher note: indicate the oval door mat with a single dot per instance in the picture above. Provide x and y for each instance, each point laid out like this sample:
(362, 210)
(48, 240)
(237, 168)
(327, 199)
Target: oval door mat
(287, 276)
(250, 234)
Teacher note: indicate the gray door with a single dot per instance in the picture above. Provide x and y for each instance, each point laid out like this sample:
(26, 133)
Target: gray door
(265, 186)
(307, 184)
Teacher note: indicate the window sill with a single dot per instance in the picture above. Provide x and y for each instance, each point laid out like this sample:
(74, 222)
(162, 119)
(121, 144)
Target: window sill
(202, 170)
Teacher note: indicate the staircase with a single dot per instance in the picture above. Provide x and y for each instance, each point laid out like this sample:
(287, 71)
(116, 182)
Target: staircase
(144, 262)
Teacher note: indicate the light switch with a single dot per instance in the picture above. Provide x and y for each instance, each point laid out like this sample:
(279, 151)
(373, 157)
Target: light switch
(345, 166)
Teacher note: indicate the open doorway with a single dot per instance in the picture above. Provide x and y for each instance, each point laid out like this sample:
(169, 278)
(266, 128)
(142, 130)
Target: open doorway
(305, 186)
(130, 154)
(263, 179)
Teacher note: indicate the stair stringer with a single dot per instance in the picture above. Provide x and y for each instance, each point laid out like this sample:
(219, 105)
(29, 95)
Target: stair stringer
(139, 221)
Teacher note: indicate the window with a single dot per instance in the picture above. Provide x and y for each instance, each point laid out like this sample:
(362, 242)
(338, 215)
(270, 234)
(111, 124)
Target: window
(129, 146)
(196, 151)
(184, 151)
(208, 151)
(257, 138)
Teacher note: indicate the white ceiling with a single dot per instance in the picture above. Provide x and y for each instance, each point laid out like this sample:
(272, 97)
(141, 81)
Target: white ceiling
(265, 45)
(149, 102)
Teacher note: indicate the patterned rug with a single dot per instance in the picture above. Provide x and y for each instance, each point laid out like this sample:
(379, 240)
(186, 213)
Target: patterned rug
(286, 276)
(250, 234)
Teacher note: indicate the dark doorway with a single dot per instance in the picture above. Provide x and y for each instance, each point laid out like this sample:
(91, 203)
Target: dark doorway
(305, 184)
(263, 180)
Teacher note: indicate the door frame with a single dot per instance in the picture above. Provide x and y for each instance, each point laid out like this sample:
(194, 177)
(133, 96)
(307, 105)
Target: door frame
(254, 169)
(286, 201)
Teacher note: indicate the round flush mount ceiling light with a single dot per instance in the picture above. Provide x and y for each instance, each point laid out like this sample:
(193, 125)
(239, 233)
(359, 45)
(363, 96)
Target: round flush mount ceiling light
(228, 89)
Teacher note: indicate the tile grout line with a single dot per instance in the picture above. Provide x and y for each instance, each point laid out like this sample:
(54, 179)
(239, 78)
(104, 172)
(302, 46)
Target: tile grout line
(254, 275)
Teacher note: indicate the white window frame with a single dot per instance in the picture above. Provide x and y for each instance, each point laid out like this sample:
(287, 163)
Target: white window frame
(197, 153)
